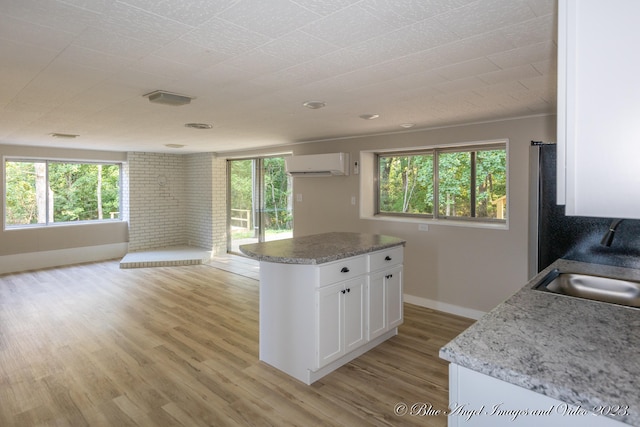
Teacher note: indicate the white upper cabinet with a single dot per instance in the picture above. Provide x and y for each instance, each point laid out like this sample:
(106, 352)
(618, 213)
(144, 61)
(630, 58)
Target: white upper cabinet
(599, 108)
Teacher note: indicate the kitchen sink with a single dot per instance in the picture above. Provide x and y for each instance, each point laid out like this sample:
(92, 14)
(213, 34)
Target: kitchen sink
(598, 288)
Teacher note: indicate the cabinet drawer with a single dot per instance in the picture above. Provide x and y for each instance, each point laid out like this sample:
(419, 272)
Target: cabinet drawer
(385, 258)
(343, 269)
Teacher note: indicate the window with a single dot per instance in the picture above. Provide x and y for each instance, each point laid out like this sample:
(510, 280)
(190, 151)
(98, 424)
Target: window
(260, 203)
(45, 192)
(445, 183)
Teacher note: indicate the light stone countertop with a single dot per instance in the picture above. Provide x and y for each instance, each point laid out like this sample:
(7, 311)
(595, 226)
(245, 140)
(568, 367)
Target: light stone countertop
(578, 351)
(319, 248)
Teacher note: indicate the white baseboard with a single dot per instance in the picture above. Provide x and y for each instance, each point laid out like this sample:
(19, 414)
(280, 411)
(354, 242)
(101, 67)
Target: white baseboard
(442, 306)
(46, 259)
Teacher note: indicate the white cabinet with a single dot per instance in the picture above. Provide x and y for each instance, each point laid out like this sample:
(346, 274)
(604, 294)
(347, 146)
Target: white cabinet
(393, 289)
(478, 400)
(598, 108)
(341, 321)
(376, 309)
(384, 292)
(315, 318)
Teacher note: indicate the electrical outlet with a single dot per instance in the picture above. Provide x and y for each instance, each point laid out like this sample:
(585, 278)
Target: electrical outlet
(423, 227)
(298, 197)
(353, 200)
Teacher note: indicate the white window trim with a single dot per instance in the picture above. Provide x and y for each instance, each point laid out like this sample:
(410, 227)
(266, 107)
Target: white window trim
(17, 158)
(368, 188)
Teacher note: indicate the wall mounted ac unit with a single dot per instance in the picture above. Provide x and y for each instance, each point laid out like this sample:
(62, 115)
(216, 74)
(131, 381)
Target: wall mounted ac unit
(331, 164)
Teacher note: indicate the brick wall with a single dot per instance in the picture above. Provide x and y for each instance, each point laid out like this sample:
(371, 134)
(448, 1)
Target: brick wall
(176, 200)
(206, 190)
(219, 212)
(199, 203)
(157, 200)
(124, 192)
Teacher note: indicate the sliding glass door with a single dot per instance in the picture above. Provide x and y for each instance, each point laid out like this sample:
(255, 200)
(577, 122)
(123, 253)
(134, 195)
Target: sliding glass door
(259, 201)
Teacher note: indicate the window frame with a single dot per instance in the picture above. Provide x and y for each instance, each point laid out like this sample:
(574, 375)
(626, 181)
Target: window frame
(435, 151)
(47, 161)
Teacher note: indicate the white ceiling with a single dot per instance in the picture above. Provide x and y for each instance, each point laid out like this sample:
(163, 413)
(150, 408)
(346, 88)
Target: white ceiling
(82, 67)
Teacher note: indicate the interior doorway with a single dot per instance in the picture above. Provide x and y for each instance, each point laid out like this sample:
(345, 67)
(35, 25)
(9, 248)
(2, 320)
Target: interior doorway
(260, 201)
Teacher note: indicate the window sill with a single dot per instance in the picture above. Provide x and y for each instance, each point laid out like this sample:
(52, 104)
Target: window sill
(61, 225)
(443, 222)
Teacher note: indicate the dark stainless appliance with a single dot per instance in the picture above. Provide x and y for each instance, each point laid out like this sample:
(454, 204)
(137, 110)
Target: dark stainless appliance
(575, 237)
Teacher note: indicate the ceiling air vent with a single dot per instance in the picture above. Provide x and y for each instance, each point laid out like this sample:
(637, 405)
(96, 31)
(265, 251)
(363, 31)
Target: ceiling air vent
(63, 135)
(167, 98)
(198, 125)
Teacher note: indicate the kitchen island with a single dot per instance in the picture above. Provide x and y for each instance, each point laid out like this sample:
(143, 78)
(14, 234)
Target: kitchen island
(326, 299)
(546, 359)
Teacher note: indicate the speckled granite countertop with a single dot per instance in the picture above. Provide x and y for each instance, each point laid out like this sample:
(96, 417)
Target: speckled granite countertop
(577, 351)
(319, 248)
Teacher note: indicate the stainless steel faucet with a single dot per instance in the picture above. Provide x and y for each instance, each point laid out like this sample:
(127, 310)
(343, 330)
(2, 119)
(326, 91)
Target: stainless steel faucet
(607, 239)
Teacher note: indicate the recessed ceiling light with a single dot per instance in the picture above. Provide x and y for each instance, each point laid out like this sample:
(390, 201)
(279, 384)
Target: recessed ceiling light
(168, 98)
(314, 105)
(64, 135)
(369, 116)
(407, 125)
(198, 125)
(174, 145)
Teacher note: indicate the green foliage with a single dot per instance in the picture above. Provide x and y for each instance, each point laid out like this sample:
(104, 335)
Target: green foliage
(406, 183)
(454, 184)
(491, 181)
(276, 192)
(21, 205)
(79, 192)
(241, 173)
(74, 186)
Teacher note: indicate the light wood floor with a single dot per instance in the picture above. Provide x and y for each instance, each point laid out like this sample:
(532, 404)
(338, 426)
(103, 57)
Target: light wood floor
(178, 346)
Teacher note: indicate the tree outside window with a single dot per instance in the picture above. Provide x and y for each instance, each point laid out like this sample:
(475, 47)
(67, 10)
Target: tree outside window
(44, 192)
(406, 184)
(464, 183)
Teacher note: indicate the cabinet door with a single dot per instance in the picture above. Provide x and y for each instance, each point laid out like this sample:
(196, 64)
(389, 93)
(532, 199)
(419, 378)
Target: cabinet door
(377, 306)
(598, 95)
(471, 391)
(329, 326)
(354, 313)
(393, 290)
(341, 319)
